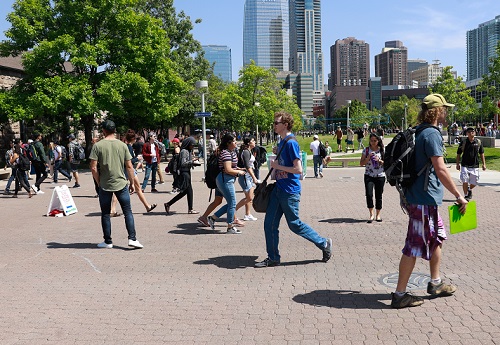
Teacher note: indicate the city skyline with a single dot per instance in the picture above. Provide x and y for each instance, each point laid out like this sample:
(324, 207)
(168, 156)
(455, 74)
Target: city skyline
(429, 32)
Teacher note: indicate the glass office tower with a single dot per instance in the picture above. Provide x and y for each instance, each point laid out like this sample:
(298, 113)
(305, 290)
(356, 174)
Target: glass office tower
(266, 33)
(305, 40)
(220, 56)
(481, 44)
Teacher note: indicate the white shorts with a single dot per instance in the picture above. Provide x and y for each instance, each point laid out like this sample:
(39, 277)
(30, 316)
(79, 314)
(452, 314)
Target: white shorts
(469, 175)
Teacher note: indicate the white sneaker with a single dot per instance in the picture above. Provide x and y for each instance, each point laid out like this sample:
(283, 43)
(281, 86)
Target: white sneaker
(233, 230)
(40, 192)
(321, 174)
(105, 245)
(34, 188)
(249, 217)
(135, 244)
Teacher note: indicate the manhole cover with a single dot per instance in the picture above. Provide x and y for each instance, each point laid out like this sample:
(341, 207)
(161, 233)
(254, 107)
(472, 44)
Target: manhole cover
(417, 281)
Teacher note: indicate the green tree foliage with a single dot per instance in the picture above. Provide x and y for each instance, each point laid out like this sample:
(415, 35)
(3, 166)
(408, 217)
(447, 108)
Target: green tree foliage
(455, 91)
(396, 111)
(86, 57)
(358, 114)
(491, 85)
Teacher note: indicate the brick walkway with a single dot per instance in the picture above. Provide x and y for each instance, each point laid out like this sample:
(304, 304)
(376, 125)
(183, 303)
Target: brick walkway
(190, 285)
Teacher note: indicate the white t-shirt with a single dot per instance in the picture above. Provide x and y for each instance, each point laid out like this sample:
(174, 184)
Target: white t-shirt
(315, 147)
(153, 153)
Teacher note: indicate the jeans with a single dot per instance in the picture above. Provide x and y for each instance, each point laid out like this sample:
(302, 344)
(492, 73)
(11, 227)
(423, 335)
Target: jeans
(282, 203)
(370, 184)
(225, 183)
(41, 172)
(11, 178)
(150, 167)
(360, 141)
(123, 197)
(58, 168)
(318, 162)
(187, 190)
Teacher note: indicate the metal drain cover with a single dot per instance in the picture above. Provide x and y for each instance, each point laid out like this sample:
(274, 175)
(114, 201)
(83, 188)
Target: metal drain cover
(417, 280)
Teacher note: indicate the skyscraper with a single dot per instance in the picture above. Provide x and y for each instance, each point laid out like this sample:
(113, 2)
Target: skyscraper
(266, 33)
(391, 64)
(481, 44)
(220, 56)
(305, 40)
(350, 62)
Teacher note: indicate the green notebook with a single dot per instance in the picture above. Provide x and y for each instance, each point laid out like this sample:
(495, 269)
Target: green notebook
(462, 222)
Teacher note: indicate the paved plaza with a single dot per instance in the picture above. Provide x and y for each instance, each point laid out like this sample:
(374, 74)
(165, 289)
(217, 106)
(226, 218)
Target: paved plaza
(190, 285)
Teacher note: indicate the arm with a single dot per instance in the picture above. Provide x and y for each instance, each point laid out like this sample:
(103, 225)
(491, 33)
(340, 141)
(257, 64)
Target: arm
(445, 178)
(295, 169)
(130, 174)
(483, 160)
(364, 158)
(228, 169)
(185, 162)
(95, 173)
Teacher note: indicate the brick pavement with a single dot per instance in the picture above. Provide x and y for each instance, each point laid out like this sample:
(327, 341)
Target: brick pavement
(190, 285)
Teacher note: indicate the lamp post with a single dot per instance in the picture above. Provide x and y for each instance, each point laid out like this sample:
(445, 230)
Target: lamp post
(348, 106)
(405, 123)
(202, 84)
(256, 104)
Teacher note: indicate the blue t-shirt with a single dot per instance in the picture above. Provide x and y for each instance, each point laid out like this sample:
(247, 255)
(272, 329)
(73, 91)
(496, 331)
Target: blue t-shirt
(285, 181)
(428, 143)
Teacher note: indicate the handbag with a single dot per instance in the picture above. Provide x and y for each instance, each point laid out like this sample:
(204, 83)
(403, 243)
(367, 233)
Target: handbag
(262, 193)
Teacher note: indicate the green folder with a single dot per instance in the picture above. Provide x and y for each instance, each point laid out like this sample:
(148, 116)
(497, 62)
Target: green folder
(462, 222)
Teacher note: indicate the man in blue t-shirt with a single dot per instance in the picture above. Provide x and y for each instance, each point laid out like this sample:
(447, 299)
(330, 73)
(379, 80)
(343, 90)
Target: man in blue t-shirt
(426, 232)
(285, 197)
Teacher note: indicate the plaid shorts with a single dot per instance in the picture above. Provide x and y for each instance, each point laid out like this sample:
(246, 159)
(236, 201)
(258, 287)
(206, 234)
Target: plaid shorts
(425, 231)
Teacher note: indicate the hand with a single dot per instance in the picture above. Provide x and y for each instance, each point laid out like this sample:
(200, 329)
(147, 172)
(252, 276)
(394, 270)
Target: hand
(274, 164)
(131, 188)
(484, 167)
(463, 204)
(458, 166)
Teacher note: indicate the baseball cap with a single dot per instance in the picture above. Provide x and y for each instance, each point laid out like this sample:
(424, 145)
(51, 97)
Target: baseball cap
(176, 140)
(71, 136)
(315, 136)
(470, 129)
(30, 141)
(211, 136)
(109, 126)
(435, 100)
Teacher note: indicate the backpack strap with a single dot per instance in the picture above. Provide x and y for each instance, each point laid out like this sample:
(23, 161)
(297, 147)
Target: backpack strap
(291, 137)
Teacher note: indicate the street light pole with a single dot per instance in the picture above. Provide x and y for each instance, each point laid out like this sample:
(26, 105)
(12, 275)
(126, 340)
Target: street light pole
(256, 104)
(406, 123)
(348, 106)
(201, 85)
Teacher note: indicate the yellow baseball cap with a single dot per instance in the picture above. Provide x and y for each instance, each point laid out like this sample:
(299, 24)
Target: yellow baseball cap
(435, 100)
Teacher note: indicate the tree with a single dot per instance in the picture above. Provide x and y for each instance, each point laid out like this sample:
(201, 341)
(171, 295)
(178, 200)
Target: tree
(491, 85)
(455, 91)
(396, 111)
(83, 58)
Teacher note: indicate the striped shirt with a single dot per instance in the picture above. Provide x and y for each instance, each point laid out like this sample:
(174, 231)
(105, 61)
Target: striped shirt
(226, 156)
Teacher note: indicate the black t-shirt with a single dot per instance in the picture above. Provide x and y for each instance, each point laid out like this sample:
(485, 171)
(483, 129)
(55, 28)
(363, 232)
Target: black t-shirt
(472, 150)
(137, 146)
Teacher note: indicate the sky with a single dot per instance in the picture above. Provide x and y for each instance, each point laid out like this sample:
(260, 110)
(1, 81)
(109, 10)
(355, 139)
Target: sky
(431, 30)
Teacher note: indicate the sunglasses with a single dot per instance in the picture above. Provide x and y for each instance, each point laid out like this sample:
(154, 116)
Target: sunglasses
(277, 122)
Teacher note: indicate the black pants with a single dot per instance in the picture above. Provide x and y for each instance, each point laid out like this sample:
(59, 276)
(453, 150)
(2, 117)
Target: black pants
(186, 189)
(40, 171)
(370, 184)
(21, 180)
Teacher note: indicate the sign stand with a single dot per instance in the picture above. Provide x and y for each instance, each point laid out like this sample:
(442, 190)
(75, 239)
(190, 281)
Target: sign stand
(62, 200)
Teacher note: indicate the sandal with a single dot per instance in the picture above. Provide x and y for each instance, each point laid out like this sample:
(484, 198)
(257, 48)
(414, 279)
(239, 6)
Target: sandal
(238, 222)
(203, 221)
(151, 208)
(167, 208)
(193, 212)
(115, 214)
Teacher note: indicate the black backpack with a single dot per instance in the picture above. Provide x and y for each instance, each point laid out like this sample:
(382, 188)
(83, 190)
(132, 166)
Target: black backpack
(322, 150)
(23, 162)
(174, 164)
(399, 161)
(212, 171)
(262, 155)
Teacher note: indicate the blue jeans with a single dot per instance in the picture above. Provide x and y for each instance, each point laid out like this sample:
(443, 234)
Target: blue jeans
(225, 184)
(318, 163)
(58, 168)
(282, 203)
(150, 167)
(11, 179)
(123, 197)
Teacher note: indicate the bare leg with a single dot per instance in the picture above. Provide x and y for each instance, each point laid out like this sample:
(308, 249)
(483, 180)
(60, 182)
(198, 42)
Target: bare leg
(435, 262)
(406, 266)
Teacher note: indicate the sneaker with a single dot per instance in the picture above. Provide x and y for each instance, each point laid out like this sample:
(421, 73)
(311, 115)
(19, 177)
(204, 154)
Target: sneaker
(203, 221)
(321, 174)
(105, 245)
(267, 263)
(6, 192)
(211, 222)
(40, 191)
(249, 217)
(70, 178)
(405, 301)
(35, 189)
(154, 190)
(468, 196)
(233, 230)
(161, 182)
(76, 185)
(327, 251)
(441, 289)
(135, 244)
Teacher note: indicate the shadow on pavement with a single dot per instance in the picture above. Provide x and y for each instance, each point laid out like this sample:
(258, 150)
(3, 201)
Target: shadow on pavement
(55, 245)
(230, 262)
(342, 220)
(344, 299)
(193, 229)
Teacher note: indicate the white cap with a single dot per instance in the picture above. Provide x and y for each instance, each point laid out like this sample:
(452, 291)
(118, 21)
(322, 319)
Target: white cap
(30, 141)
(315, 136)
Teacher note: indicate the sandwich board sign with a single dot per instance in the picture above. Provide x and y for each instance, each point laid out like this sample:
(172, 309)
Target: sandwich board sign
(62, 200)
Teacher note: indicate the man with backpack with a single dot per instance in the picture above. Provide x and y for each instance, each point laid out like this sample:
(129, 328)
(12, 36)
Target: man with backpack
(74, 158)
(426, 232)
(470, 149)
(39, 162)
(317, 157)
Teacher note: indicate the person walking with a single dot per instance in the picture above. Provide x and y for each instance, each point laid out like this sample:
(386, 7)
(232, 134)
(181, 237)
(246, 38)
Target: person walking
(40, 164)
(426, 232)
(360, 133)
(58, 163)
(371, 159)
(151, 154)
(187, 162)
(73, 158)
(470, 150)
(285, 197)
(19, 169)
(8, 156)
(317, 159)
(338, 135)
(248, 181)
(113, 155)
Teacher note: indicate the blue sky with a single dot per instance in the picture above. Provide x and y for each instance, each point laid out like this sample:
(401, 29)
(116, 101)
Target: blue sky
(429, 29)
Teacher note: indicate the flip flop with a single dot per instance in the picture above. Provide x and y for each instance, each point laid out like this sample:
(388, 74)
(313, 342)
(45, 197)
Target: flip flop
(151, 208)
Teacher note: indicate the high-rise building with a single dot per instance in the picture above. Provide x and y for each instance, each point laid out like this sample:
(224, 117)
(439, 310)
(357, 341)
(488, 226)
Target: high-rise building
(305, 40)
(427, 76)
(220, 57)
(266, 33)
(413, 65)
(481, 45)
(391, 64)
(350, 63)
